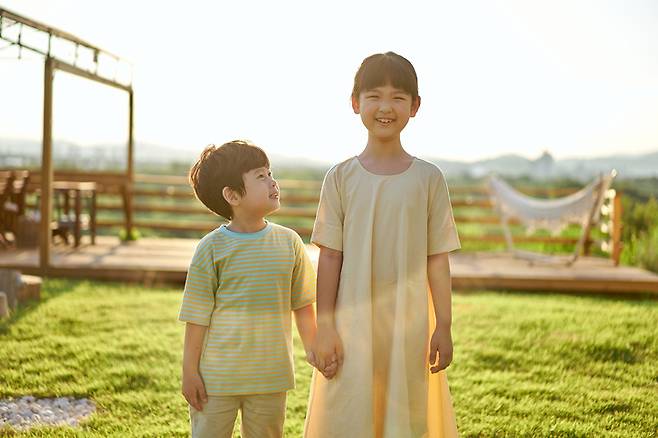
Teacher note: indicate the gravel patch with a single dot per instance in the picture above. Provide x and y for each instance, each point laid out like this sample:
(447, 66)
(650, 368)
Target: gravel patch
(28, 411)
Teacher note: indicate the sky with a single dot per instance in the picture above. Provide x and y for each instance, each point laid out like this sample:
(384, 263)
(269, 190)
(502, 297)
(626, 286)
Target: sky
(576, 78)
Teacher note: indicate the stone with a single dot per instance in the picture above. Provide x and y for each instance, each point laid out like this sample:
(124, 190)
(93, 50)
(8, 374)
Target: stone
(4, 305)
(29, 411)
(10, 284)
(19, 289)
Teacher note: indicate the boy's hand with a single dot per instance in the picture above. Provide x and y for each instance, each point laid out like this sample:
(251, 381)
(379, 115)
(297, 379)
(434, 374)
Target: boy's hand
(440, 344)
(328, 351)
(194, 390)
(310, 358)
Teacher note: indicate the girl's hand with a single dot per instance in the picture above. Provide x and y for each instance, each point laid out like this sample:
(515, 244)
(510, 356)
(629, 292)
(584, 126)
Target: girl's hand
(440, 344)
(194, 390)
(328, 351)
(329, 371)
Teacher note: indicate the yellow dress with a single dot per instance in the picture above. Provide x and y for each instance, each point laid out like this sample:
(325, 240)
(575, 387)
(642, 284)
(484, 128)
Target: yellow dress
(386, 226)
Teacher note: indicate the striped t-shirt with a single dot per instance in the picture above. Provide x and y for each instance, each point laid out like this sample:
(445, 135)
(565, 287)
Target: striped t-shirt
(244, 286)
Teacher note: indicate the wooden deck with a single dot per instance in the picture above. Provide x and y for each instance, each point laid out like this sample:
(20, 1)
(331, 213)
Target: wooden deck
(153, 261)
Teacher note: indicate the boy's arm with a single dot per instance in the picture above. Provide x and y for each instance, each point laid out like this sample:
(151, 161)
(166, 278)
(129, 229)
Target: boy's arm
(328, 347)
(193, 387)
(306, 326)
(438, 272)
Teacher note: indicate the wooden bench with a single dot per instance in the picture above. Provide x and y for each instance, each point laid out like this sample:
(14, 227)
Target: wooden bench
(105, 184)
(13, 193)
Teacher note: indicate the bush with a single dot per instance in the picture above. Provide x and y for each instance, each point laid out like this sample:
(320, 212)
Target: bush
(129, 237)
(639, 218)
(640, 235)
(647, 250)
(642, 250)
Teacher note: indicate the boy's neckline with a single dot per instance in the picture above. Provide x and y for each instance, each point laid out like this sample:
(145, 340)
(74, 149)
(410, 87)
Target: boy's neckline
(225, 230)
(413, 161)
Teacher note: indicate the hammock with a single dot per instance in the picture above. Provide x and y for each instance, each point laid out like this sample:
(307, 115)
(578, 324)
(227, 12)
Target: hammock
(582, 208)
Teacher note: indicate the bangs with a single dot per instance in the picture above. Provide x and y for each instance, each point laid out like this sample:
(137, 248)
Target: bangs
(384, 69)
(251, 157)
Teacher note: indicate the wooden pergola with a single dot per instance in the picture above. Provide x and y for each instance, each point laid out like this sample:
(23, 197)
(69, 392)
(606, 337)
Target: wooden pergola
(13, 30)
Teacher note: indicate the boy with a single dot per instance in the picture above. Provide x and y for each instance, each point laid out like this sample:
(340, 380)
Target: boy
(243, 282)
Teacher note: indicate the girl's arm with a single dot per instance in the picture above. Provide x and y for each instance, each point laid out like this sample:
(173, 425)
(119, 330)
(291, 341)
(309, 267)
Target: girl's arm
(193, 387)
(438, 272)
(328, 347)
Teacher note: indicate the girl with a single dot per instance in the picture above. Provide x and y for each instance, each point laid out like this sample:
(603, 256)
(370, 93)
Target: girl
(384, 227)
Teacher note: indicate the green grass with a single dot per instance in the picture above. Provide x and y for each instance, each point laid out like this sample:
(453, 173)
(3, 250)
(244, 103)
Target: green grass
(525, 364)
(555, 365)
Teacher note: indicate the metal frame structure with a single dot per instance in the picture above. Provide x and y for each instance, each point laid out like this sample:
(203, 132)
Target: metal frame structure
(14, 29)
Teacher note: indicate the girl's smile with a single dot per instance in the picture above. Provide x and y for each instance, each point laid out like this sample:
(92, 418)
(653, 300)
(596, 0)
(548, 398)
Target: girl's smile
(385, 111)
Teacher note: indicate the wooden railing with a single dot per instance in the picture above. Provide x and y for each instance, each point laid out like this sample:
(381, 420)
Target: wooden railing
(167, 203)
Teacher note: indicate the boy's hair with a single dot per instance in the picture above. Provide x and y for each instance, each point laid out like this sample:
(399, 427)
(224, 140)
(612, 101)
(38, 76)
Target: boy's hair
(383, 69)
(223, 166)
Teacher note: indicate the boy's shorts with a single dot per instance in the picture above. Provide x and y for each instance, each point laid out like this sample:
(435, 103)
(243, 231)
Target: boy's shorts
(262, 416)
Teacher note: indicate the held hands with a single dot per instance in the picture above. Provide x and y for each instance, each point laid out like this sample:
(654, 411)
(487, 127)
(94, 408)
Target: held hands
(441, 344)
(327, 352)
(194, 390)
(329, 371)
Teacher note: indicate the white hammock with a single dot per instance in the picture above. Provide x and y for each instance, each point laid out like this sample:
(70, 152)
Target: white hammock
(582, 208)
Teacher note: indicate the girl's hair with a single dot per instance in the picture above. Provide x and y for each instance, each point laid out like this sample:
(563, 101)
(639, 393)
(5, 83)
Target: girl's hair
(383, 69)
(223, 166)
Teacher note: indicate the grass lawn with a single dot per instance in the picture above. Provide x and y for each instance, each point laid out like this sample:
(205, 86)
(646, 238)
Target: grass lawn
(525, 364)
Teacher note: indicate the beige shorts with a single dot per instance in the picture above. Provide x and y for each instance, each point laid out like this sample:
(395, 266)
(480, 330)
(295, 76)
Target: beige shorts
(262, 416)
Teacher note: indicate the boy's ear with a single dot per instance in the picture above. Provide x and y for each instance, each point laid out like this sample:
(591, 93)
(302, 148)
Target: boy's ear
(355, 105)
(415, 105)
(231, 196)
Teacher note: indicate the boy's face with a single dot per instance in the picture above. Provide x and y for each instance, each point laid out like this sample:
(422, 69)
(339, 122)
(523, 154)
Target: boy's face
(261, 195)
(385, 110)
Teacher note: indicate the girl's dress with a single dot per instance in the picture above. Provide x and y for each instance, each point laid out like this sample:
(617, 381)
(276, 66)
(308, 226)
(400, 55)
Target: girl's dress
(386, 226)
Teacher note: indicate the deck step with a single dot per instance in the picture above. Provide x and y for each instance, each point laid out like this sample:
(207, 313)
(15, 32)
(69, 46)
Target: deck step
(154, 261)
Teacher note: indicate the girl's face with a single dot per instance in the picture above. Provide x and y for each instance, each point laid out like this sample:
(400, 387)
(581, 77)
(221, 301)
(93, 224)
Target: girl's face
(385, 110)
